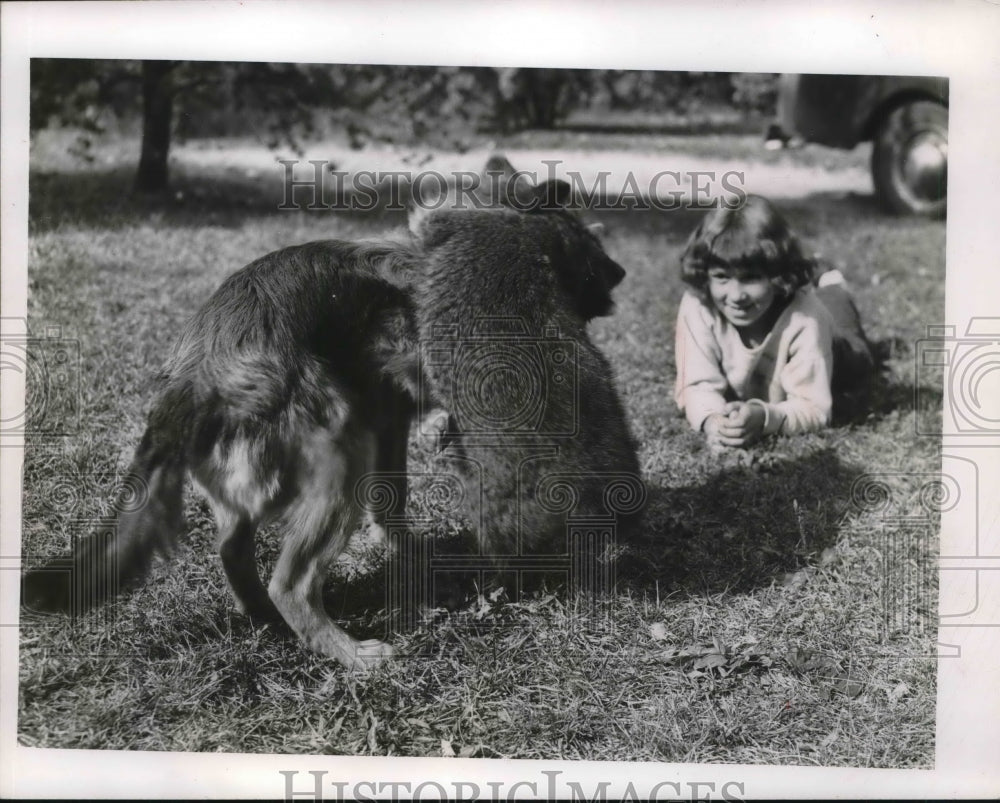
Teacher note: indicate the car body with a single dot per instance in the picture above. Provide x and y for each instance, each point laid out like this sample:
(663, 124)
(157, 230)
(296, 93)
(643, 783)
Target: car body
(906, 117)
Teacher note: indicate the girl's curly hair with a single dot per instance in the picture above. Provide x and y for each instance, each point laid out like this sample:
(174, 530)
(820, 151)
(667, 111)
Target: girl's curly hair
(754, 238)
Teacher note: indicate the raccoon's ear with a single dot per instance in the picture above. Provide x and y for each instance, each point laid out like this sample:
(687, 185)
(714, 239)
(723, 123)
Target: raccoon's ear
(553, 194)
(511, 187)
(498, 164)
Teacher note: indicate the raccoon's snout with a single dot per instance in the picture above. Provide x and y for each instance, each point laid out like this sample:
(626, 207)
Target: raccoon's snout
(614, 273)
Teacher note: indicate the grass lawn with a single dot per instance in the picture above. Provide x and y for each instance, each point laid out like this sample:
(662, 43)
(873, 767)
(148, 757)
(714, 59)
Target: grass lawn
(766, 615)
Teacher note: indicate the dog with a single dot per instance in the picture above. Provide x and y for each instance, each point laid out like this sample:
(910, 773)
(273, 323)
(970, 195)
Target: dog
(537, 430)
(300, 377)
(293, 381)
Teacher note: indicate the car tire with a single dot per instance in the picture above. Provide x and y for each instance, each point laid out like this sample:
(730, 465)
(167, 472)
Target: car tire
(910, 160)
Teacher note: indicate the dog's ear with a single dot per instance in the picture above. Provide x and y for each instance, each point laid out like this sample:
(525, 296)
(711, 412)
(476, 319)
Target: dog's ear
(553, 194)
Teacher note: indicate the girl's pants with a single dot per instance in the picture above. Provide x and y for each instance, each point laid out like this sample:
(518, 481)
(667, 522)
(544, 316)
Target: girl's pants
(854, 368)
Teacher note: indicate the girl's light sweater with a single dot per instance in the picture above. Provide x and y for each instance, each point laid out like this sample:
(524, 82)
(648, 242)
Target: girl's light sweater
(789, 372)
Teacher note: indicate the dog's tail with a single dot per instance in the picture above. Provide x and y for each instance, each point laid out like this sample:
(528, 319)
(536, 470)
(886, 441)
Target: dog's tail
(149, 510)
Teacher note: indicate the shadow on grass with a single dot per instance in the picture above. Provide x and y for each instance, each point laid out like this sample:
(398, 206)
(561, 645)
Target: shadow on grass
(105, 199)
(740, 529)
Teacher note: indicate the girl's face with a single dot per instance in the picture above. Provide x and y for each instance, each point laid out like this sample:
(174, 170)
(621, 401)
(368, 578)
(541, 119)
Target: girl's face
(742, 298)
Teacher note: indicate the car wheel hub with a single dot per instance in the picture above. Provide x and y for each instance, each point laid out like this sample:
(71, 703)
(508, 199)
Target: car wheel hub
(925, 167)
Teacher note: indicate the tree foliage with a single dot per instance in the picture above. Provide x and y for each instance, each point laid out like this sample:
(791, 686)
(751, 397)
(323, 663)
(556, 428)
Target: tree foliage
(284, 104)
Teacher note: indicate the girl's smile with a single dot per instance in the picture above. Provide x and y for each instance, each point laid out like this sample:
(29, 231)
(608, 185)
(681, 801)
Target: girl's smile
(743, 299)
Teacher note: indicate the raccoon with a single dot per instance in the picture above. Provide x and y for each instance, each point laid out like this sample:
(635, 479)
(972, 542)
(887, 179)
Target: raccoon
(537, 430)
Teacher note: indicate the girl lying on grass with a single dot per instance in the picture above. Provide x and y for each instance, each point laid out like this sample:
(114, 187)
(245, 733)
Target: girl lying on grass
(760, 349)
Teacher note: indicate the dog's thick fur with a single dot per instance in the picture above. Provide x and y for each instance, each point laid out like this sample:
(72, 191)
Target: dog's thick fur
(295, 379)
(301, 375)
(543, 275)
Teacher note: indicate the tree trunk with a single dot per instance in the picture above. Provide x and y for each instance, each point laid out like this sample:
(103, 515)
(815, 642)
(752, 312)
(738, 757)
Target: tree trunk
(157, 115)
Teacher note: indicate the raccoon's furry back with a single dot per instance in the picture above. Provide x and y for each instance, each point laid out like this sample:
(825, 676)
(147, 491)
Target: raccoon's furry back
(510, 284)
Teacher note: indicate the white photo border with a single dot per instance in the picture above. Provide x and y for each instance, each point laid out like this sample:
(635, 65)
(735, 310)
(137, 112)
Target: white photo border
(957, 40)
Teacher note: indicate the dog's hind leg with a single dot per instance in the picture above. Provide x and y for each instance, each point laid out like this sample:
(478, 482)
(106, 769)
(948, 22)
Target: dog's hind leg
(236, 547)
(241, 493)
(390, 463)
(319, 522)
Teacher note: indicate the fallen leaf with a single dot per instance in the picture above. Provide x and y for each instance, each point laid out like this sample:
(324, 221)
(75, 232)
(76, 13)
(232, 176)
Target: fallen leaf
(469, 751)
(899, 692)
(710, 661)
(446, 749)
(658, 631)
(850, 688)
(798, 657)
(807, 661)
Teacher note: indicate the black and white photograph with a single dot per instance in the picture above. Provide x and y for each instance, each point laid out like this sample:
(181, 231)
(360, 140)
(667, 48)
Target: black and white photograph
(575, 409)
